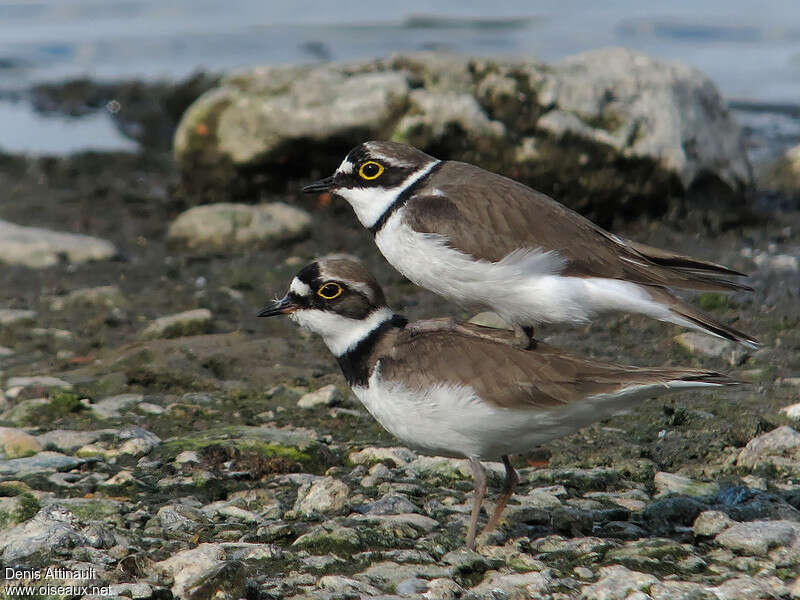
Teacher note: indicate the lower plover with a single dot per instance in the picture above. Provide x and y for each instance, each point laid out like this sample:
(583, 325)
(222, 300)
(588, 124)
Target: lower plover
(462, 390)
(488, 242)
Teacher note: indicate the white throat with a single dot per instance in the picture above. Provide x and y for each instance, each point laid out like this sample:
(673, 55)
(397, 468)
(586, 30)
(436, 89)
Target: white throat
(371, 202)
(339, 333)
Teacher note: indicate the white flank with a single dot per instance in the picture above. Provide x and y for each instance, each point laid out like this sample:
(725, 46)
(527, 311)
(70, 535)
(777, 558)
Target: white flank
(369, 203)
(451, 420)
(340, 333)
(524, 287)
(300, 288)
(447, 420)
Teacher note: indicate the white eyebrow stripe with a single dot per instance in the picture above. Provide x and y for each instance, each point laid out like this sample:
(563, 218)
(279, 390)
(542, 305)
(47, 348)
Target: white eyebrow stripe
(300, 288)
(345, 167)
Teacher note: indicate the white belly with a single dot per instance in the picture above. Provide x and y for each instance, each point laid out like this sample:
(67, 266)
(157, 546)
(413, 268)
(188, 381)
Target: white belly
(524, 287)
(450, 420)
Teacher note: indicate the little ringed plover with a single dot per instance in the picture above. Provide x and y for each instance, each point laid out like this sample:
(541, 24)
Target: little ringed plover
(462, 391)
(488, 242)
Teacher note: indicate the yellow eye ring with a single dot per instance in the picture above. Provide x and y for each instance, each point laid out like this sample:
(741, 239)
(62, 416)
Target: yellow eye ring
(367, 170)
(329, 291)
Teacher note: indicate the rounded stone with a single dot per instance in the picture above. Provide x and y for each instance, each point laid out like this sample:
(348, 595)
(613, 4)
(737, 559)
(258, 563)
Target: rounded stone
(226, 227)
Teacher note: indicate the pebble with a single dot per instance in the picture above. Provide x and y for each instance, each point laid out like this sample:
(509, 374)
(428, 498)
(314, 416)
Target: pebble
(777, 262)
(398, 455)
(15, 385)
(756, 538)
(347, 587)
(779, 448)
(616, 583)
(17, 443)
(190, 569)
(390, 504)
(325, 496)
(532, 585)
(136, 591)
(190, 322)
(329, 536)
(666, 514)
(706, 345)
(325, 396)
(227, 227)
(711, 522)
(43, 462)
(792, 411)
(106, 296)
(111, 407)
(187, 456)
(400, 522)
(9, 317)
(149, 408)
(749, 588)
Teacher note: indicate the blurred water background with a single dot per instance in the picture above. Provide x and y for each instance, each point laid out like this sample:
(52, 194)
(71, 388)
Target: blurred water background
(750, 49)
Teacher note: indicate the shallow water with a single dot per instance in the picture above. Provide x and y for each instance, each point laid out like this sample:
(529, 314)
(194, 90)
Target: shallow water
(752, 50)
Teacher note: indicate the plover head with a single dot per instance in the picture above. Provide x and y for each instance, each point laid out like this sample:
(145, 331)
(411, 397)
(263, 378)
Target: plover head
(335, 297)
(374, 175)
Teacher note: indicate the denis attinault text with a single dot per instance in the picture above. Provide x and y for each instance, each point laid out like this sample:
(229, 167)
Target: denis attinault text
(34, 582)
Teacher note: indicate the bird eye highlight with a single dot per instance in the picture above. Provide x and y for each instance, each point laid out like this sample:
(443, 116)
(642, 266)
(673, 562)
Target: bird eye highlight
(370, 170)
(329, 291)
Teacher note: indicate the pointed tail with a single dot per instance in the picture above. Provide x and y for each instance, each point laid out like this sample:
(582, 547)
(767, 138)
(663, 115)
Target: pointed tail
(687, 315)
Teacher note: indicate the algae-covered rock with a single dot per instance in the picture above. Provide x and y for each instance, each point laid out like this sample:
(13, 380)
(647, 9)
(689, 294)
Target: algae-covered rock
(226, 227)
(51, 531)
(285, 446)
(17, 509)
(16, 443)
(606, 130)
(329, 537)
(670, 483)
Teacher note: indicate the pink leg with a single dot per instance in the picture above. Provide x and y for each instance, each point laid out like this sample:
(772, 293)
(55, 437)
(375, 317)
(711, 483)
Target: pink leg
(512, 479)
(479, 478)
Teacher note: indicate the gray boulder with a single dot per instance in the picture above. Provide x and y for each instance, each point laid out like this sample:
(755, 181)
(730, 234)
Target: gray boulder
(607, 129)
(39, 248)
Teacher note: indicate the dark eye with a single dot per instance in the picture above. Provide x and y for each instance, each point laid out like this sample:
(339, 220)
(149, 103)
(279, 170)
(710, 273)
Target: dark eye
(370, 170)
(329, 291)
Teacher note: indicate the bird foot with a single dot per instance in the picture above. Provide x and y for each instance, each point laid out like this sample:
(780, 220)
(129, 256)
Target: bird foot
(523, 336)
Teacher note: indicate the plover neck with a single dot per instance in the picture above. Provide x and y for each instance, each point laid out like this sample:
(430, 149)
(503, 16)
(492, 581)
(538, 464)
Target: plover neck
(373, 205)
(355, 363)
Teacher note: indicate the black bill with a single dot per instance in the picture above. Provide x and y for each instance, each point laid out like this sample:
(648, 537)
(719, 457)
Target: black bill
(284, 306)
(323, 185)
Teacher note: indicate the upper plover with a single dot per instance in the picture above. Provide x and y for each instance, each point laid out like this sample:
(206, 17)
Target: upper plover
(462, 391)
(486, 241)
